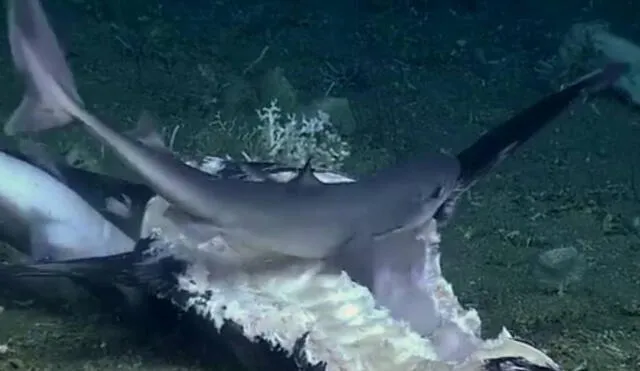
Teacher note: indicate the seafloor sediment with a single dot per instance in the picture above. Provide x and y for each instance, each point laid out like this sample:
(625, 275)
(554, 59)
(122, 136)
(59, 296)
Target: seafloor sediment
(571, 186)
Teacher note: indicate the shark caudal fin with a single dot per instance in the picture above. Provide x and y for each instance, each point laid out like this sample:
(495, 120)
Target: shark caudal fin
(39, 59)
(500, 142)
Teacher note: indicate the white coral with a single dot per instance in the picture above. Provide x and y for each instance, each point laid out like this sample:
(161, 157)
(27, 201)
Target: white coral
(293, 139)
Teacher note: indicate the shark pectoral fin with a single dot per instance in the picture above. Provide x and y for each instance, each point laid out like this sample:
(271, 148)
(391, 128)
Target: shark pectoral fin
(191, 226)
(356, 258)
(414, 214)
(413, 222)
(503, 140)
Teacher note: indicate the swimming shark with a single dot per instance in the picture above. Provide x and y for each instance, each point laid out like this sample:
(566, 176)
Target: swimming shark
(97, 189)
(48, 220)
(52, 213)
(254, 214)
(302, 221)
(430, 194)
(52, 186)
(57, 188)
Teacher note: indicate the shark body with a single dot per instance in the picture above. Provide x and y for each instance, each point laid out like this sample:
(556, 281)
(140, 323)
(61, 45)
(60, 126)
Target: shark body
(48, 220)
(77, 201)
(301, 221)
(309, 222)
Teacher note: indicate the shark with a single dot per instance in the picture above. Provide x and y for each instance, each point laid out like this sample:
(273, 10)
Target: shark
(51, 213)
(381, 212)
(41, 181)
(78, 202)
(314, 222)
(49, 220)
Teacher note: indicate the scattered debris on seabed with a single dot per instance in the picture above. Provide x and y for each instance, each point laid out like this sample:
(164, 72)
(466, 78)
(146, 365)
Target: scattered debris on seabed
(4, 347)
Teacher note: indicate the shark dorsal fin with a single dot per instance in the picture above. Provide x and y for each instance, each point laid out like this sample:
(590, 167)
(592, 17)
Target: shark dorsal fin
(305, 176)
(145, 132)
(35, 49)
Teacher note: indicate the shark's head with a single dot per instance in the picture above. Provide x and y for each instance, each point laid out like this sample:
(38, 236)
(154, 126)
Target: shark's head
(408, 195)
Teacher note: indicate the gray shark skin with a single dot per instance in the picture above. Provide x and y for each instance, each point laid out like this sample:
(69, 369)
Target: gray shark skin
(302, 221)
(50, 220)
(308, 222)
(95, 188)
(64, 191)
(381, 212)
(45, 218)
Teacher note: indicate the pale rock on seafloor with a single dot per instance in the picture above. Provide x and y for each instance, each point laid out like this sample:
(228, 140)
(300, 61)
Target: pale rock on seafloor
(588, 45)
(346, 329)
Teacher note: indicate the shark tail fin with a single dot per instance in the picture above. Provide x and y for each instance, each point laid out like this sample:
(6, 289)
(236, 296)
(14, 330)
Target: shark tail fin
(38, 57)
(502, 141)
(33, 115)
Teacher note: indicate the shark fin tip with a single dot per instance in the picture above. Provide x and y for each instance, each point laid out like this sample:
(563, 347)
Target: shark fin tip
(305, 175)
(32, 115)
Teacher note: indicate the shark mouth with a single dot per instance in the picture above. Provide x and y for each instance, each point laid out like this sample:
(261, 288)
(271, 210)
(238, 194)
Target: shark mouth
(321, 318)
